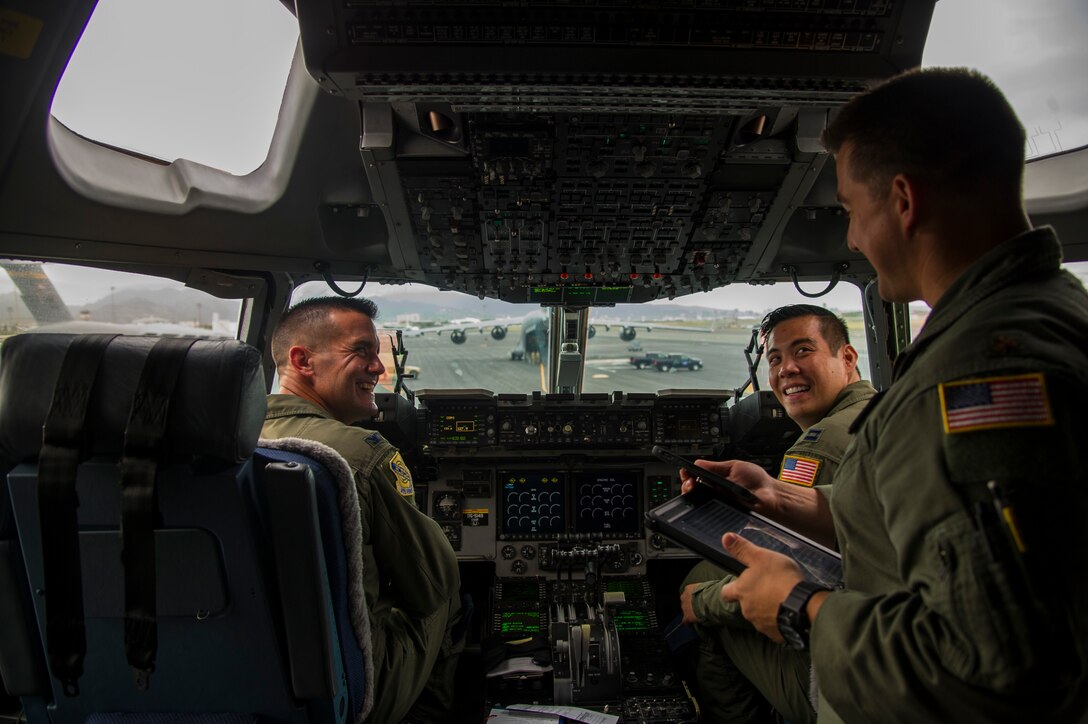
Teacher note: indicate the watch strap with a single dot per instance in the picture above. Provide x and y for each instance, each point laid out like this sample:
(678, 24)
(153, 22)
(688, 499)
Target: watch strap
(793, 622)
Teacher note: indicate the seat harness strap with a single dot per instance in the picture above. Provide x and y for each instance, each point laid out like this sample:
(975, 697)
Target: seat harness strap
(65, 443)
(144, 449)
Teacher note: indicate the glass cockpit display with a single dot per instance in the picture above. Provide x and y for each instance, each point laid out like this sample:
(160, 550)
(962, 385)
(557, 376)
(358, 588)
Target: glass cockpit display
(606, 502)
(533, 503)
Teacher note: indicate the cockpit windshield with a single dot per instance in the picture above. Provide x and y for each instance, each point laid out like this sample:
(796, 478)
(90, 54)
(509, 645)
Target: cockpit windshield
(458, 341)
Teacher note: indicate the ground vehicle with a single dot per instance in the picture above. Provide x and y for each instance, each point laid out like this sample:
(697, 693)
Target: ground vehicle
(677, 362)
(646, 359)
(325, 204)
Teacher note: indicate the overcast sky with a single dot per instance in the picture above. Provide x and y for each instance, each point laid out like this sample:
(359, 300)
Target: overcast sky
(202, 79)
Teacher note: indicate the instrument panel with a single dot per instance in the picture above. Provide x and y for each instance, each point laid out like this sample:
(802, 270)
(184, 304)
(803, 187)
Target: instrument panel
(537, 482)
(536, 420)
(543, 499)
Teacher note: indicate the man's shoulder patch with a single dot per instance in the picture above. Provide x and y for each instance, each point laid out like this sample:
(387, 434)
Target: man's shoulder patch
(812, 435)
(799, 470)
(989, 403)
(374, 438)
(402, 474)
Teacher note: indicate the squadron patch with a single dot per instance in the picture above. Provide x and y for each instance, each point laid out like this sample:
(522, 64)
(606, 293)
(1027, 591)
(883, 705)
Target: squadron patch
(812, 435)
(995, 402)
(799, 470)
(402, 474)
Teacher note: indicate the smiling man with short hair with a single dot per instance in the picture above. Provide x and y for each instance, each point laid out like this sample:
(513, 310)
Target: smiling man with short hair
(813, 373)
(959, 507)
(326, 353)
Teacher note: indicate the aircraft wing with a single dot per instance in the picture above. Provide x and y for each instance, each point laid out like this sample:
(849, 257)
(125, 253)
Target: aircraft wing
(650, 326)
(457, 330)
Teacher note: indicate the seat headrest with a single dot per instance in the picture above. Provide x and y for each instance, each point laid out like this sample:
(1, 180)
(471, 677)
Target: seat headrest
(216, 411)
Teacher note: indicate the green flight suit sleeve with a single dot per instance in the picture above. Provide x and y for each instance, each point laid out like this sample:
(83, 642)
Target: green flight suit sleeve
(409, 548)
(967, 618)
(711, 610)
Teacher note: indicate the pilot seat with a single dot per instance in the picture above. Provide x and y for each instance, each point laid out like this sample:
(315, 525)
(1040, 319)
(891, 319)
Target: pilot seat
(152, 566)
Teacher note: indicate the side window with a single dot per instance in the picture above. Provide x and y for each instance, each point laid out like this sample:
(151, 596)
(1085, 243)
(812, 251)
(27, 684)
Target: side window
(37, 296)
(919, 311)
(1079, 270)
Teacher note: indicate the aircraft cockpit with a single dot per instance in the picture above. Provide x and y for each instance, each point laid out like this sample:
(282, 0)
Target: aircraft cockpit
(572, 216)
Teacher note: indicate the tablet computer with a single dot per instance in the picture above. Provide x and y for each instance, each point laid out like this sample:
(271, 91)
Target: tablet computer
(731, 489)
(697, 520)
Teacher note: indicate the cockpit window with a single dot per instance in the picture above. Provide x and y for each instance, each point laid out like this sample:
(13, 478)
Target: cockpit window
(52, 297)
(200, 79)
(919, 311)
(1032, 51)
(458, 341)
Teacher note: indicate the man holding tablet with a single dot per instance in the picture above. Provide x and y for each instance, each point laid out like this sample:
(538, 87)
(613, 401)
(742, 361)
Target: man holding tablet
(813, 373)
(959, 507)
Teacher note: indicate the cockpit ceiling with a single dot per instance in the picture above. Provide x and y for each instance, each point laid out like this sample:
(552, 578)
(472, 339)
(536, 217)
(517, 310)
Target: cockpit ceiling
(554, 152)
(594, 153)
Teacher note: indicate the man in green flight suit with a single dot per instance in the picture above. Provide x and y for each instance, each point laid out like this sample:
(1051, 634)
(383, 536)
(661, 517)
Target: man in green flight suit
(326, 354)
(960, 507)
(813, 373)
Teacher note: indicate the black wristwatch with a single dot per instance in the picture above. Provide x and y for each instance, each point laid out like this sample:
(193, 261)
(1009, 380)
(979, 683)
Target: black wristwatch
(793, 621)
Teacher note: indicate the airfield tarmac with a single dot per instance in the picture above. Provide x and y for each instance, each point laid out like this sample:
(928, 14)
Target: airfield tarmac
(482, 362)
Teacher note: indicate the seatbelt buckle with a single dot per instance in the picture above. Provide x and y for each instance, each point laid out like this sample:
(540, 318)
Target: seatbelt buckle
(142, 678)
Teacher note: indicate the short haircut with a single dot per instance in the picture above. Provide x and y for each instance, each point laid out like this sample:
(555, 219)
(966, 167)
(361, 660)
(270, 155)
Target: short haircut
(949, 127)
(307, 323)
(832, 326)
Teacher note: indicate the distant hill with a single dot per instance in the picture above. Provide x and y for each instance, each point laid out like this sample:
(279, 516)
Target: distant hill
(181, 305)
(169, 304)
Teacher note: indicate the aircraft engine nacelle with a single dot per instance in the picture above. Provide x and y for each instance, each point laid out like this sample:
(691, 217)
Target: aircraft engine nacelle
(627, 333)
(592, 332)
(457, 336)
(498, 333)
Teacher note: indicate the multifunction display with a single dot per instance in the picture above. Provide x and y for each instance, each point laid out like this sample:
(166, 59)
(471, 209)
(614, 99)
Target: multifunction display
(607, 502)
(533, 503)
(455, 425)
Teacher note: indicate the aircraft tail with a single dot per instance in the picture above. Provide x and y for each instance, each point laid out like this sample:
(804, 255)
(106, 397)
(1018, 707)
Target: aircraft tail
(37, 292)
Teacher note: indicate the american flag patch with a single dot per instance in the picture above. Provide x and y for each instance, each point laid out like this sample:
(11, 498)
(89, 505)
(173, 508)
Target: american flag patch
(995, 402)
(799, 470)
